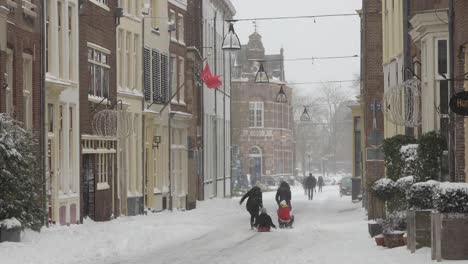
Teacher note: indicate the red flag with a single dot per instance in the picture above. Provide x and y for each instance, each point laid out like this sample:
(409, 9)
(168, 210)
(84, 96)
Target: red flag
(211, 81)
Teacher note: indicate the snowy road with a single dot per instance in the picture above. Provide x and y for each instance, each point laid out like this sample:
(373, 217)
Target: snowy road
(328, 230)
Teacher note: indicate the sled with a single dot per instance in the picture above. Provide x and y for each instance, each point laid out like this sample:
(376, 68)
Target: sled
(263, 229)
(285, 224)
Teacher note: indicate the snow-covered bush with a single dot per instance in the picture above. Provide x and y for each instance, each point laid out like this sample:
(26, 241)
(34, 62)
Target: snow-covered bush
(395, 221)
(403, 184)
(430, 149)
(420, 195)
(452, 198)
(384, 188)
(409, 157)
(19, 175)
(392, 155)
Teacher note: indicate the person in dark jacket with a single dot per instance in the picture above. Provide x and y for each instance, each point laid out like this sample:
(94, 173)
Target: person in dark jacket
(320, 183)
(283, 193)
(310, 183)
(254, 203)
(263, 223)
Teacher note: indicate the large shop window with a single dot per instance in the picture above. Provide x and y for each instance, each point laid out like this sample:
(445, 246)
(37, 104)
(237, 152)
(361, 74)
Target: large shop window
(256, 114)
(98, 70)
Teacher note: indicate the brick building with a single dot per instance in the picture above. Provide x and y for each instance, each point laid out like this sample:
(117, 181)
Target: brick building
(372, 90)
(262, 139)
(98, 98)
(194, 86)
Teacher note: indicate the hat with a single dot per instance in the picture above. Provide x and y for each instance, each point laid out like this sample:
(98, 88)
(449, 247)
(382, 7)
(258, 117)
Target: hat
(283, 203)
(263, 210)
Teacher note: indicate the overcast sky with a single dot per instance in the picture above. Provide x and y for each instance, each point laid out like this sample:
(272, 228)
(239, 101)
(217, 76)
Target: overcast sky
(337, 36)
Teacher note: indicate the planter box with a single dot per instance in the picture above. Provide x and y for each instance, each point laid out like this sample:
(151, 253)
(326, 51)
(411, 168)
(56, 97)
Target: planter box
(375, 229)
(10, 235)
(419, 229)
(380, 240)
(393, 240)
(449, 236)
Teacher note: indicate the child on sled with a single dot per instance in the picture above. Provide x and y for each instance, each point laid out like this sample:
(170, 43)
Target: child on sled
(285, 219)
(263, 222)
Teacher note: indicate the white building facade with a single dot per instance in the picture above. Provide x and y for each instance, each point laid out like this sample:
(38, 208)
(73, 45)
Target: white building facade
(130, 92)
(62, 119)
(216, 103)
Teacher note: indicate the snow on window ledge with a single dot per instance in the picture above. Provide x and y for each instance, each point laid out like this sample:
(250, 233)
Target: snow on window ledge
(101, 5)
(103, 186)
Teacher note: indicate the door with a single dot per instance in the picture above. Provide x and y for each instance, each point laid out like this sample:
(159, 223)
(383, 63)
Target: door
(88, 186)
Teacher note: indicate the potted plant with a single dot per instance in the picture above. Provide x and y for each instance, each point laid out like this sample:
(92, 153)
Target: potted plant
(10, 230)
(380, 240)
(375, 227)
(394, 229)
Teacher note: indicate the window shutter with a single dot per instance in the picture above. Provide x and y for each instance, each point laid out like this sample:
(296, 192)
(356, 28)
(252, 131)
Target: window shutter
(146, 73)
(165, 78)
(156, 76)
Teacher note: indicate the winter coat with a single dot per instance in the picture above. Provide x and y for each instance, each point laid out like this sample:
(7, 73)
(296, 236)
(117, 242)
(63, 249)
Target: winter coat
(284, 214)
(264, 220)
(283, 193)
(255, 201)
(310, 182)
(320, 181)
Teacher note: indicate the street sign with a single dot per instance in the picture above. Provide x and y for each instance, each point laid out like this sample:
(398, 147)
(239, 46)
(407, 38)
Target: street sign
(459, 103)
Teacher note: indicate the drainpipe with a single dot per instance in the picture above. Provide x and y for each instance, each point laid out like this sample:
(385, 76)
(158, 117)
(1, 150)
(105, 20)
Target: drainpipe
(215, 53)
(452, 142)
(169, 128)
(224, 122)
(43, 110)
(142, 112)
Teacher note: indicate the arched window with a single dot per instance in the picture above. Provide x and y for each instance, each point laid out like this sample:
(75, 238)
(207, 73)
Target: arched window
(255, 151)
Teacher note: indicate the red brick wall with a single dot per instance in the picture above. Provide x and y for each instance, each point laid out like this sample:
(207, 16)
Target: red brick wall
(372, 91)
(460, 40)
(417, 6)
(97, 26)
(23, 36)
(2, 80)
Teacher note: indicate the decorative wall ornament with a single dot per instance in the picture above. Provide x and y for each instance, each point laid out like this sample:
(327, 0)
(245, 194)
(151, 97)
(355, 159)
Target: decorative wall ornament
(113, 123)
(402, 103)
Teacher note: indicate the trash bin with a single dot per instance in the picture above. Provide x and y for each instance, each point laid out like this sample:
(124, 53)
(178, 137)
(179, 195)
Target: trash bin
(356, 189)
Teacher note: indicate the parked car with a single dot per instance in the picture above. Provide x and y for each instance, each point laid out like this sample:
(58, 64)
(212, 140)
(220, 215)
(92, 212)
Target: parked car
(345, 186)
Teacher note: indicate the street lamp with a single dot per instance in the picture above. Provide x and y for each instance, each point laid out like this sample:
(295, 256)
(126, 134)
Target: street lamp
(231, 42)
(281, 97)
(262, 76)
(305, 115)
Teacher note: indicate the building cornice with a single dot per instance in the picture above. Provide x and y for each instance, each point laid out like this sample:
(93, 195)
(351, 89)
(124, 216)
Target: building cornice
(182, 4)
(427, 23)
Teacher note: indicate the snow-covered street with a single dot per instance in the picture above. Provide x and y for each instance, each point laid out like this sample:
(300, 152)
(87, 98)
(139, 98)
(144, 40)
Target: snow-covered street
(328, 229)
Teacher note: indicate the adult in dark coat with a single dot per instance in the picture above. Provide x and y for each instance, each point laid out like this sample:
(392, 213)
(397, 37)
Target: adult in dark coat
(263, 223)
(254, 203)
(283, 193)
(310, 183)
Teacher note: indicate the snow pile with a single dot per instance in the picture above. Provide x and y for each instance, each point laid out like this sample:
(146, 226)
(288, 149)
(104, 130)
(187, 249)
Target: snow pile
(420, 195)
(452, 197)
(10, 223)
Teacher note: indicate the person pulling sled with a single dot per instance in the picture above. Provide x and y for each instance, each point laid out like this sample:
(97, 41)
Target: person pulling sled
(285, 219)
(254, 203)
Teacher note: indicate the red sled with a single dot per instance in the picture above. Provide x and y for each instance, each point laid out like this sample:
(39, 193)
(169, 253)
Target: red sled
(263, 229)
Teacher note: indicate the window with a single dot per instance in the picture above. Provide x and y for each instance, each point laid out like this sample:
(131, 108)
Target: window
(61, 159)
(127, 61)
(60, 38)
(27, 91)
(180, 28)
(71, 51)
(119, 58)
(256, 114)
(181, 79)
(442, 57)
(172, 20)
(9, 89)
(98, 69)
(173, 74)
(71, 151)
(156, 70)
(164, 78)
(136, 63)
(50, 118)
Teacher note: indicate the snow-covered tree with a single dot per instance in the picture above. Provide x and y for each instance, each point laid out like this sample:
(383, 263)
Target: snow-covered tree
(19, 175)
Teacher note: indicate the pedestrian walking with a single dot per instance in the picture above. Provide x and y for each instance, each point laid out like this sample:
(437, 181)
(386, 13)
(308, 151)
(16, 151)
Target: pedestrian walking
(254, 203)
(310, 183)
(320, 183)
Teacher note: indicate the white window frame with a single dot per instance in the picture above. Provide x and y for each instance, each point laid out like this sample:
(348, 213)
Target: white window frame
(173, 76)
(180, 29)
(436, 51)
(135, 61)
(181, 77)
(128, 41)
(119, 58)
(27, 91)
(172, 18)
(103, 65)
(256, 107)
